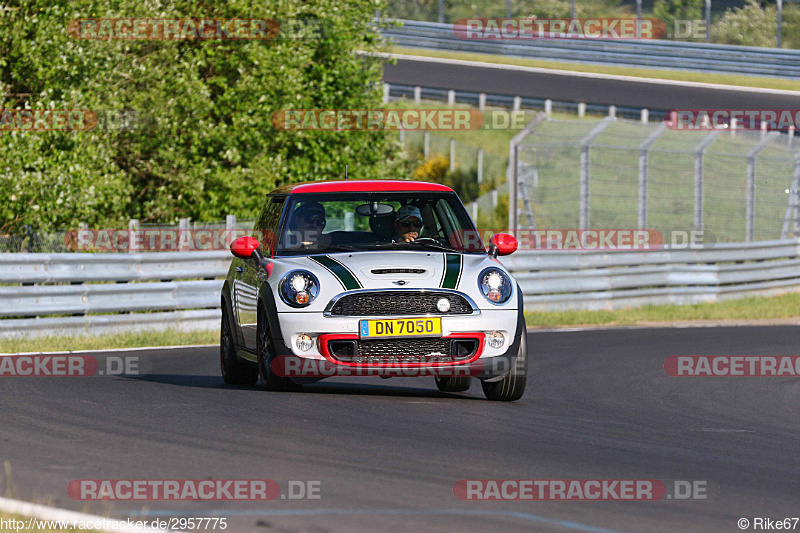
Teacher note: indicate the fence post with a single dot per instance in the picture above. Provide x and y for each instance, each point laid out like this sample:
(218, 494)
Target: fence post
(581, 109)
(452, 155)
(612, 111)
(792, 204)
(512, 171)
(791, 136)
(548, 107)
(644, 149)
(230, 228)
(426, 143)
(698, 179)
(645, 115)
(517, 103)
(480, 165)
(751, 185)
(451, 98)
(403, 137)
(586, 144)
(482, 101)
(386, 88)
(417, 94)
(133, 235)
(183, 226)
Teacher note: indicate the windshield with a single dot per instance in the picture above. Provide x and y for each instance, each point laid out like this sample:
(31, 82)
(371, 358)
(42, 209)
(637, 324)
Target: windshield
(331, 222)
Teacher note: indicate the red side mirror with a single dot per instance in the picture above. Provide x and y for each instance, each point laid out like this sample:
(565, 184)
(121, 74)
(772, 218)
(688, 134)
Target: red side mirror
(502, 244)
(243, 247)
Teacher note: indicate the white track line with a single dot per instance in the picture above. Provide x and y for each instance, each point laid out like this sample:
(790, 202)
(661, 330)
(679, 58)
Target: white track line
(44, 512)
(139, 349)
(594, 75)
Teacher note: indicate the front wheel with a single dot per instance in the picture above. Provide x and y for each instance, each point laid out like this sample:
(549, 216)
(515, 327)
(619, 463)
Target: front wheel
(512, 386)
(265, 348)
(234, 371)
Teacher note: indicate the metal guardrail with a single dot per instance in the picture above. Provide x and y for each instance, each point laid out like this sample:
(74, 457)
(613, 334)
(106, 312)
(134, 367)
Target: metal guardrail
(550, 280)
(591, 280)
(153, 290)
(674, 55)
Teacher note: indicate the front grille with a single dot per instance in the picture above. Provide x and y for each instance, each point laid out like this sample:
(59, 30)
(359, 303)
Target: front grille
(392, 303)
(419, 350)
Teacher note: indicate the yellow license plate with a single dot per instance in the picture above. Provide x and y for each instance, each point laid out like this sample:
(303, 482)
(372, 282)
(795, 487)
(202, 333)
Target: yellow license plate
(401, 327)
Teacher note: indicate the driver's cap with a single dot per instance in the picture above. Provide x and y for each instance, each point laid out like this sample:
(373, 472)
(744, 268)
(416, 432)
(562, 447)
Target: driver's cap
(408, 211)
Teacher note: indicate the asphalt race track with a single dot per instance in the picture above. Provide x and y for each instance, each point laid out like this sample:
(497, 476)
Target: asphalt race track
(388, 452)
(574, 87)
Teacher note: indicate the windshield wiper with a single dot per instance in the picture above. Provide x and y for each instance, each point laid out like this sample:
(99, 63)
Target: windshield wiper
(335, 248)
(434, 246)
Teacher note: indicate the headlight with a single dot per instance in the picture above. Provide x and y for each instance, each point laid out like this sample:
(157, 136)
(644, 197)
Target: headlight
(298, 288)
(495, 285)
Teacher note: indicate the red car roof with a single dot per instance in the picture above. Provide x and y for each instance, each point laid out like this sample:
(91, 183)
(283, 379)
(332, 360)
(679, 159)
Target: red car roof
(369, 186)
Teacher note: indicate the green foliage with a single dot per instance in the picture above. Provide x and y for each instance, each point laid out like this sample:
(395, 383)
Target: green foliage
(750, 25)
(669, 11)
(462, 180)
(458, 9)
(207, 146)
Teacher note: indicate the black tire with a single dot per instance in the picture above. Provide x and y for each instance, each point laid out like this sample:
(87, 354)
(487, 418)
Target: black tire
(454, 383)
(265, 349)
(234, 371)
(512, 386)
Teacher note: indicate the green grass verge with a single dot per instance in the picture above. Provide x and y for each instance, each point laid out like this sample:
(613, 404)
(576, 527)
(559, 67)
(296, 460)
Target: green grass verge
(104, 342)
(785, 306)
(675, 75)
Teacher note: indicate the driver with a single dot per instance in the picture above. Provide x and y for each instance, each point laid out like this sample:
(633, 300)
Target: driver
(407, 224)
(308, 221)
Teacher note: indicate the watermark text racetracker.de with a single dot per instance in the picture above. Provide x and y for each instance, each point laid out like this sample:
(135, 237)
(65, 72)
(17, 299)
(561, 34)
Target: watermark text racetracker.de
(196, 29)
(580, 489)
(606, 239)
(192, 490)
(544, 28)
(398, 119)
(109, 524)
(68, 365)
(732, 365)
(786, 120)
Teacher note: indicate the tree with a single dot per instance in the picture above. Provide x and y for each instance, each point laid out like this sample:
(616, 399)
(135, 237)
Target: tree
(206, 145)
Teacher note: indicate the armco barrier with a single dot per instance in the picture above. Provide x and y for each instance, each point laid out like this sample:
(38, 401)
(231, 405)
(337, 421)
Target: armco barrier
(675, 55)
(141, 291)
(51, 294)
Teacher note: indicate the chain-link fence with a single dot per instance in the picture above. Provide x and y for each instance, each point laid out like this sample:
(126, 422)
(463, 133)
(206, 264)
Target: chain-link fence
(734, 185)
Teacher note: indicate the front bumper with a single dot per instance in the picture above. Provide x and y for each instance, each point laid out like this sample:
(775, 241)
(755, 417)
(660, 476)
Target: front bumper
(319, 361)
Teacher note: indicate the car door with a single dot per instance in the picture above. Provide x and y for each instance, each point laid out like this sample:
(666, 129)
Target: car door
(246, 284)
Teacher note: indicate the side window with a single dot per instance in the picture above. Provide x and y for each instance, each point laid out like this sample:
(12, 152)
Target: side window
(266, 226)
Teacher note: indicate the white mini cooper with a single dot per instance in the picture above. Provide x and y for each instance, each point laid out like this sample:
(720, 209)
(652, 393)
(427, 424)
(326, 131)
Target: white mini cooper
(371, 277)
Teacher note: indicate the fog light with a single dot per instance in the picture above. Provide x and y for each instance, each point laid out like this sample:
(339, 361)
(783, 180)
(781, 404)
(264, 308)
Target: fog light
(301, 297)
(495, 339)
(443, 305)
(304, 342)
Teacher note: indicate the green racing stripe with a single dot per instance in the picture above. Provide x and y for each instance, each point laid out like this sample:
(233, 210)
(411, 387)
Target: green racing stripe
(452, 271)
(342, 273)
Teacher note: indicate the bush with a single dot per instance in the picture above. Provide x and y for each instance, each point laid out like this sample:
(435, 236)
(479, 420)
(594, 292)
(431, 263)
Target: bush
(750, 25)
